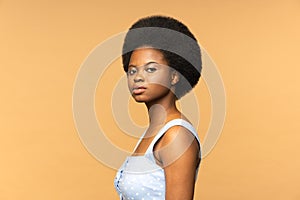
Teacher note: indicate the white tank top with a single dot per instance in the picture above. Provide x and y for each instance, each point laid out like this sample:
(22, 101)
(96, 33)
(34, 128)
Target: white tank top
(140, 178)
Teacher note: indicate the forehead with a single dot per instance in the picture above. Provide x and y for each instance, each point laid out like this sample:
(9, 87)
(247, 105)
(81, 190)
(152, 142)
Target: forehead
(144, 55)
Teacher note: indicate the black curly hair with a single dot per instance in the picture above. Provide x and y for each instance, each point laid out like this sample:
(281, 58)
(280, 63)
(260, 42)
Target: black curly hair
(178, 45)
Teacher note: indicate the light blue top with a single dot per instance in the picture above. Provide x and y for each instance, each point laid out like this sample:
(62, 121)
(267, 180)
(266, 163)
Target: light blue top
(140, 178)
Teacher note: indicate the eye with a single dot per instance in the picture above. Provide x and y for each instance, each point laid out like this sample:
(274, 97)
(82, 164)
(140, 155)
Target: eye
(131, 71)
(151, 69)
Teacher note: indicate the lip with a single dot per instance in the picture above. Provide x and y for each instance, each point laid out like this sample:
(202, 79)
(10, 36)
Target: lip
(138, 90)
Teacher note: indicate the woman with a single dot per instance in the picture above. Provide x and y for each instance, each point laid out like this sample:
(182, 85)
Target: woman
(166, 159)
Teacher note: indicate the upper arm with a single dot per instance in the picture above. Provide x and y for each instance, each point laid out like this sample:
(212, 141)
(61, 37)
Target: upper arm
(178, 152)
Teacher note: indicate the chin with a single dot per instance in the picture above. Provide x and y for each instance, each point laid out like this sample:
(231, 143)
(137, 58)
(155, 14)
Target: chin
(139, 99)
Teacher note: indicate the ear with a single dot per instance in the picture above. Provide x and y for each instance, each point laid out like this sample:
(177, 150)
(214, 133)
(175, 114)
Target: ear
(175, 77)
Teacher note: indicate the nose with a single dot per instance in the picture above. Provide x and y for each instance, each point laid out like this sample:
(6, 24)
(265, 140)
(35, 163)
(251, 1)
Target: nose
(139, 76)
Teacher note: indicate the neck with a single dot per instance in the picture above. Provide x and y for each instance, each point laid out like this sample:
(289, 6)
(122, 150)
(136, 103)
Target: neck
(160, 113)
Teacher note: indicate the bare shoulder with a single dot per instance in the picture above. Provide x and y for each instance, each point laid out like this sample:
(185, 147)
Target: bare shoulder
(179, 135)
(177, 142)
(179, 149)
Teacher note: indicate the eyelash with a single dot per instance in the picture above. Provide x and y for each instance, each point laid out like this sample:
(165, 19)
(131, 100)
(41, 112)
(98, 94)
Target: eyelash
(131, 71)
(148, 69)
(151, 69)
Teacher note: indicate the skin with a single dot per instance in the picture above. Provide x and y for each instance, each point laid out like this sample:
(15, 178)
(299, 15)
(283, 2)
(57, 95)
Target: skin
(152, 82)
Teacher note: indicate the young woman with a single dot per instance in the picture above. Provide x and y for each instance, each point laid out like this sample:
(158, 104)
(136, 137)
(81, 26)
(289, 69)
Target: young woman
(166, 159)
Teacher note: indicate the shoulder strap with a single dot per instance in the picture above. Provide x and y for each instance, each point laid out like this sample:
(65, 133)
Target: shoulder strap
(139, 141)
(174, 122)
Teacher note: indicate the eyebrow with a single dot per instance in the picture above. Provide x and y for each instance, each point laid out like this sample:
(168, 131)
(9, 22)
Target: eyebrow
(148, 63)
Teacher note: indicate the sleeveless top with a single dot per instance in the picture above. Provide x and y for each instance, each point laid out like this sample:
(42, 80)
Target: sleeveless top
(140, 177)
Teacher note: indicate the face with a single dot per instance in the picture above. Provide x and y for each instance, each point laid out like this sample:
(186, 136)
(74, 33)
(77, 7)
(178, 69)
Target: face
(149, 77)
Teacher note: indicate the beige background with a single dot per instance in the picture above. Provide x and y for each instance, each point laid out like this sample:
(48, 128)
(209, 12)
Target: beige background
(255, 44)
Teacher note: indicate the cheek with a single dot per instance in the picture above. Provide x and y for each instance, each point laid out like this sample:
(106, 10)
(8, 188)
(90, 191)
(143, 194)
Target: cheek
(160, 80)
(129, 82)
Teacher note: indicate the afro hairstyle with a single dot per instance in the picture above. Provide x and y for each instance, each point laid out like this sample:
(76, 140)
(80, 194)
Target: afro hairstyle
(174, 40)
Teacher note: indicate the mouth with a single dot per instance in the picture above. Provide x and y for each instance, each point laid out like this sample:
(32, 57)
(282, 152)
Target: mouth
(138, 90)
